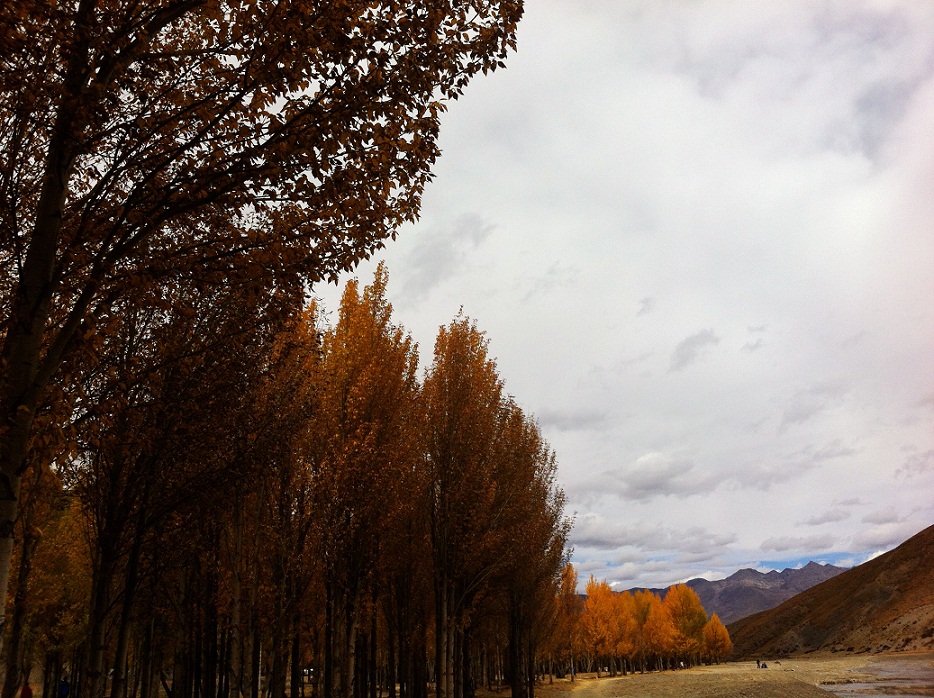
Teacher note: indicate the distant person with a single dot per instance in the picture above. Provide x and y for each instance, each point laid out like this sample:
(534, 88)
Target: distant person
(64, 689)
(758, 664)
(27, 690)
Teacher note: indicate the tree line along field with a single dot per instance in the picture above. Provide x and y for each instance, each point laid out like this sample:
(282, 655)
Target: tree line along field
(633, 631)
(295, 504)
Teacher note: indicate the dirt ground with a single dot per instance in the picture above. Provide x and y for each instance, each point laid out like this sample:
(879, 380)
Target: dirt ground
(790, 678)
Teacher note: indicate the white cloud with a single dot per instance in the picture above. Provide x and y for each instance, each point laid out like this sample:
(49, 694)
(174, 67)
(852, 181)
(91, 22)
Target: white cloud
(699, 237)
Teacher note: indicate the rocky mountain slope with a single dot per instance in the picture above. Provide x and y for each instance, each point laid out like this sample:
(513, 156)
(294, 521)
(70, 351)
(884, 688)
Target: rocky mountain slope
(748, 591)
(884, 604)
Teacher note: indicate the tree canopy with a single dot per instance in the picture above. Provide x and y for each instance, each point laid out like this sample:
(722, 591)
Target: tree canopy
(265, 144)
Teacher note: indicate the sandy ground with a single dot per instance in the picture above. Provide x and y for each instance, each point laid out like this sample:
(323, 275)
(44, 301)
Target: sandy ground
(790, 678)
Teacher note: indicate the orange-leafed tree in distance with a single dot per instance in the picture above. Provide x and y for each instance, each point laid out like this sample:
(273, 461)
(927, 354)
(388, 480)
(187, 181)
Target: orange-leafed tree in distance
(687, 620)
(639, 630)
(717, 644)
(597, 621)
(659, 633)
(625, 632)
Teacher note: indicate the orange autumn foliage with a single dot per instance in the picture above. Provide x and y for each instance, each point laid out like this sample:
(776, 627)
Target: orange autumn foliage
(639, 630)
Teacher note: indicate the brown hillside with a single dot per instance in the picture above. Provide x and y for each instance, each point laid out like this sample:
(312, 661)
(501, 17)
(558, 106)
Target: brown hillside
(884, 604)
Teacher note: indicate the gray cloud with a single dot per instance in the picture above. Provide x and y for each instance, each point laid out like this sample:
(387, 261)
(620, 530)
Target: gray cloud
(636, 360)
(646, 305)
(653, 475)
(851, 502)
(763, 476)
(557, 276)
(440, 252)
(595, 531)
(784, 544)
(808, 403)
(918, 464)
(572, 420)
(689, 349)
(706, 555)
(878, 110)
(673, 554)
(757, 343)
(884, 536)
(829, 516)
(882, 516)
(790, 467)
(834, 449)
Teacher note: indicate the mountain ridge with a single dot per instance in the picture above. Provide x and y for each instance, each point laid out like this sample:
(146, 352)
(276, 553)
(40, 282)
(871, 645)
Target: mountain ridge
(748, 591)
(884, 604)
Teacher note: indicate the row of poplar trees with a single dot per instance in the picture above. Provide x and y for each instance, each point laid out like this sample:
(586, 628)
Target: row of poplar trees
(632, 631)
(252, 502)
(200, 483)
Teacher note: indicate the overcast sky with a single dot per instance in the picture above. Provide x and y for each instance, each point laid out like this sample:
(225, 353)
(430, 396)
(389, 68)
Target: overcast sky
(700, 239)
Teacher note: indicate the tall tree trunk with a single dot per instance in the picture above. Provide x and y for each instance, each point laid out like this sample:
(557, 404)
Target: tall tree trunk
(118, 690)
(255, 657)
(100, 596)
(234, 651)
(180, 663)
(296, 682)
(328, 641)
(441, 634)
(211, 664)
(449, 645)
(467, 677)
(14, 669)
(147, 660)
(374, 687)
(348, 646)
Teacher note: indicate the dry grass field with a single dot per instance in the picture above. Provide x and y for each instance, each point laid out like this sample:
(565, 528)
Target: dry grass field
(792, 678)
